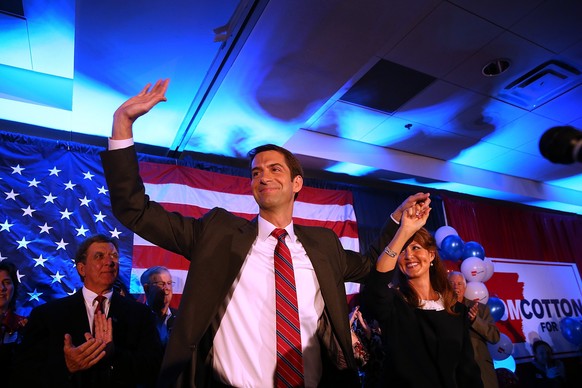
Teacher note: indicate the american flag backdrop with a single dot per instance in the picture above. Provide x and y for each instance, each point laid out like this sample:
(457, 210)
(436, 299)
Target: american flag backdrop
(52, 196)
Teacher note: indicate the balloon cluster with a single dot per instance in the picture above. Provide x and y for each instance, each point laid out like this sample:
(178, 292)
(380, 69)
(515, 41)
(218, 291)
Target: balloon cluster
(475, 267)
(469, 259)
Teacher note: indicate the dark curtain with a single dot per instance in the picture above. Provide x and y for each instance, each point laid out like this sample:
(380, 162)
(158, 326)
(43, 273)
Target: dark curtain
(514, 231)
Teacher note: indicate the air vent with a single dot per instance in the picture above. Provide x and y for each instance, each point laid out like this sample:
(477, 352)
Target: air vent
(544, 83)
(387, 86)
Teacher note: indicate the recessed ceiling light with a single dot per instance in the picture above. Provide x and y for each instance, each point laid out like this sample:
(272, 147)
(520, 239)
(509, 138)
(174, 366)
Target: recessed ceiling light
(496, 67)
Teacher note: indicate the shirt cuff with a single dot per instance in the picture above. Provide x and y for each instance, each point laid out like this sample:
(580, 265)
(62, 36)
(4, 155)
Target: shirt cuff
(119, 144)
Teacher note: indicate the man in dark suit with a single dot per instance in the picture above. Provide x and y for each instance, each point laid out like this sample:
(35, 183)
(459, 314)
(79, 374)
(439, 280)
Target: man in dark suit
(94, 338)
(225, 334)
(158, 288)
(483, 330)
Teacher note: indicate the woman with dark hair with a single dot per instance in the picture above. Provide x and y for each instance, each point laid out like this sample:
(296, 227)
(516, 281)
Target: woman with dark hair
(10, 322)
(425, 332)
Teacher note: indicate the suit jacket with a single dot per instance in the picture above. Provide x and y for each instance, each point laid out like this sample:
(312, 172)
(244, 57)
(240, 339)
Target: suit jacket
(135, 361)
(217, 245)
(483, 331)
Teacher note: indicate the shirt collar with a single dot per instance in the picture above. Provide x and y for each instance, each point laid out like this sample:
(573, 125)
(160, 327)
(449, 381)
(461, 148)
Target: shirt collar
(90, 295)
(266, 228)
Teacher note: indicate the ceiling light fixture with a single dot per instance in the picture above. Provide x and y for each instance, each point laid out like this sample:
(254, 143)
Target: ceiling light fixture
(495, 67)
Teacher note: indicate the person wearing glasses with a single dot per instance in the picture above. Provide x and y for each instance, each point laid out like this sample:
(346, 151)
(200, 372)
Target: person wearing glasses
(94, 337)
(158, 289)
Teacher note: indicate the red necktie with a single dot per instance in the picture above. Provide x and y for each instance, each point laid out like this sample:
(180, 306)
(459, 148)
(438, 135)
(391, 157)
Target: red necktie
(289, 355)
(100, 303)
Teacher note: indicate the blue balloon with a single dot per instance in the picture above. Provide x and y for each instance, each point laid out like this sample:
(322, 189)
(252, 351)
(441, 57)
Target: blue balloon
(571, 330)
(496, 307)
(473, 249)
(452, 247)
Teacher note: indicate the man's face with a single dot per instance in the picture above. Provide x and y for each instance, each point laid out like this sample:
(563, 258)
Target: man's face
(459, 286)
(271, 182)
(159, 291)
(100, 268)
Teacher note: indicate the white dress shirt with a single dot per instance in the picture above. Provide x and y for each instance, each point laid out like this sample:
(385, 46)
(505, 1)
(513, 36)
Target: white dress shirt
(90, 304)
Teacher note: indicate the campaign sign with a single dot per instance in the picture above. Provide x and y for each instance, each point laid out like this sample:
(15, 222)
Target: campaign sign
(537, 295)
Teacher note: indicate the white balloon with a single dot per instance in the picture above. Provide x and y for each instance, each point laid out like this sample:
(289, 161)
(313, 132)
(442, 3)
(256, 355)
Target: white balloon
(489, 269)
(502, 349)
(477, 291)
(443, 232)
(473, 268)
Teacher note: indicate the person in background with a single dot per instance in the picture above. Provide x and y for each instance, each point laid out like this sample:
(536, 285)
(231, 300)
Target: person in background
(226, 331)
(425, 331)
(158, 288)
(367, 343)
(544, 371)
(94, 338)
(11, 324)
(483, 329)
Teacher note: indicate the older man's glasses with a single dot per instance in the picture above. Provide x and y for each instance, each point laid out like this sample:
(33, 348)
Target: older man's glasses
(163, 284)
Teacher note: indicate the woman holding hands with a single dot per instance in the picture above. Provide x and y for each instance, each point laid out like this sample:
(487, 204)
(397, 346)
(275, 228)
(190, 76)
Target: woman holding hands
(425, 331)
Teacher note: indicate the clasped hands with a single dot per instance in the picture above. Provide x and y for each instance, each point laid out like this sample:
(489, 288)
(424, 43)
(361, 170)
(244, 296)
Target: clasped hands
(414, 210)
(84, 356)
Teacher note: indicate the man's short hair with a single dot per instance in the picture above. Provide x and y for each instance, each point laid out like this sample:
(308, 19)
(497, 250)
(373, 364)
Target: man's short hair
(148, 273)
(458, 274)
(81, 255)
(290, 159)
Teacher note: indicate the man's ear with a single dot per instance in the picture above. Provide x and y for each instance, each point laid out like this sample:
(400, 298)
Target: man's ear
(297, 183)
(81, 269)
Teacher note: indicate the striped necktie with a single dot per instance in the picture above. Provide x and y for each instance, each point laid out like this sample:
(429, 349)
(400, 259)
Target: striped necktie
(289, 371)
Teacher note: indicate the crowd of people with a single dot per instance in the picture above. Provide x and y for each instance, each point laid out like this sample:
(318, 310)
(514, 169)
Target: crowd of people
(264, 302)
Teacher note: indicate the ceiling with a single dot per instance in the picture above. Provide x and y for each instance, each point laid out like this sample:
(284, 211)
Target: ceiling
(390, 90)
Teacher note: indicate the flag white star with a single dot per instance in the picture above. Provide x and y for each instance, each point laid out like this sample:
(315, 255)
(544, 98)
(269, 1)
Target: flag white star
(23, 243)
(69, 185)
(6, 226)
(84, 201)
(66, 214)
(55, 171)
(81, 231)
(61, 245)
(11, 195)
(28, 211)
(17, 170)
(34, 295)
(50, 198)
(39, 261)
(57, 277)
(88, 175)
(2, 258)
(102, 190)
(44, 228)
(33, 182)
(19, 276)
(99, 217)
(115, 233)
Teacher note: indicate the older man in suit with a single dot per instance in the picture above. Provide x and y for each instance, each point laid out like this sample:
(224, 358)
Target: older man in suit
(483, 330)
(158, 287)
(93, 338)
(227, 332)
